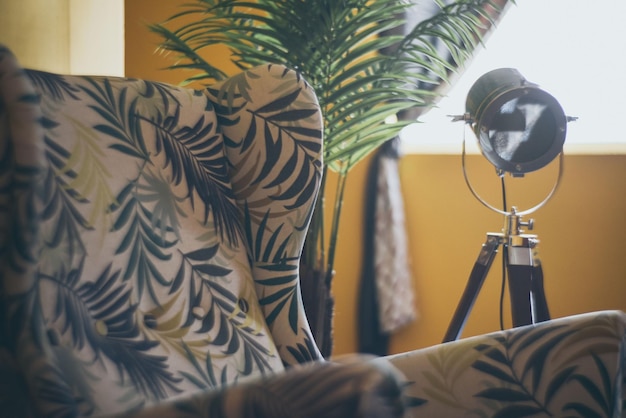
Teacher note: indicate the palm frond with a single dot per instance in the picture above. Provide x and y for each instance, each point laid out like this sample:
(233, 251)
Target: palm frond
(347, 50)
(338, 51)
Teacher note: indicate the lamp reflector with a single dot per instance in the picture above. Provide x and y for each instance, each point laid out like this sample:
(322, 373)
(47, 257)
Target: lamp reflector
(520, 128)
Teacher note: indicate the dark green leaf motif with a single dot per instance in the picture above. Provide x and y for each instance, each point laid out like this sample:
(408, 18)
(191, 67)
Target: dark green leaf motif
(194, 154)
(65, 403)
(155, 92)
(143, 242)
(205, 377)
(101, 319)
(557, 382)
(224, 322)
(281, 120)
(280, 115)
(122, 122)
(53, 85)
(504, 394)
(518, 411)
(412, 401)
(523, 379)
(303, 352)
(281, 286)
(601, 396)
(61, 204)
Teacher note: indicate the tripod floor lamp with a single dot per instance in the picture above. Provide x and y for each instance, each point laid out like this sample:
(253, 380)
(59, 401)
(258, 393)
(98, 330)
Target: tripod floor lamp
(520, 128)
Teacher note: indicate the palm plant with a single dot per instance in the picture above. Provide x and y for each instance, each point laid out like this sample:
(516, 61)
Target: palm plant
(348, 50)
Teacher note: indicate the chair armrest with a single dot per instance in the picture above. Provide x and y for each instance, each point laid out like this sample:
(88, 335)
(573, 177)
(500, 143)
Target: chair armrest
(314, 390)
(571, 366)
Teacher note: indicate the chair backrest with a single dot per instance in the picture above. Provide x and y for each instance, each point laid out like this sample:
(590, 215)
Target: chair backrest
(150, 235)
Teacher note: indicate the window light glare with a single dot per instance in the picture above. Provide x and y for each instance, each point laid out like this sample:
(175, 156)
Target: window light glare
(573, 49)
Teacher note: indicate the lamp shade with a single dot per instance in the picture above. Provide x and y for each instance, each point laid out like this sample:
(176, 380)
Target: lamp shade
(520, 128)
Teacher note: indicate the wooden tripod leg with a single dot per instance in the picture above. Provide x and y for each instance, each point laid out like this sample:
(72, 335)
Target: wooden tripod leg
(541, 312)
(520, 278)
(528, 300)
(475, 282)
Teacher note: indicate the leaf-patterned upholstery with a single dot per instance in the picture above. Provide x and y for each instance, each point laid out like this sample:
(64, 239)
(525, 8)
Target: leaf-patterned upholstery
(566, 367)
(150, 243)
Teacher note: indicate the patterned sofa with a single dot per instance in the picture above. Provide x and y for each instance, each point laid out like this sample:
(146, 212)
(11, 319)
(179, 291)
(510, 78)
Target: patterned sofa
(150, 238)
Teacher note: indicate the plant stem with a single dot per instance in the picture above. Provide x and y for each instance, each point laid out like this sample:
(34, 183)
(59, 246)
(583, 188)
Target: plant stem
(314, 255)
(334, 232)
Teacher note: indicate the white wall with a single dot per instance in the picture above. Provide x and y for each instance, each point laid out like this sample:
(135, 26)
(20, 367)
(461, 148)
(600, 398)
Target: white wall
(96, 37)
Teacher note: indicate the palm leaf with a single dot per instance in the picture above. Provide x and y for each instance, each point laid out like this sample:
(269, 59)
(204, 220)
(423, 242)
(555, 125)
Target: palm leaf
(280, 289)
(143, 242)
(518, 411)
(65, 192)
(361, 72)
(122, 123)
(163, 91)
(303, 352)
(532, 348)
(195, 154)
(92, 311)
(53, 85)
(283, 32)
(281, 124)
(224, 323)
(558, 382)
(203, 379)
(603, 396)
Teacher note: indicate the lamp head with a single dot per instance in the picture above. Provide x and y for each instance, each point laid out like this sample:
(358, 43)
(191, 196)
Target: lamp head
(520, 128)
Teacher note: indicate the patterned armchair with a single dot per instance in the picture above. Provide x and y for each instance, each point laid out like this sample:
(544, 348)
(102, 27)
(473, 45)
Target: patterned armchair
(150, 238)
(150, 244)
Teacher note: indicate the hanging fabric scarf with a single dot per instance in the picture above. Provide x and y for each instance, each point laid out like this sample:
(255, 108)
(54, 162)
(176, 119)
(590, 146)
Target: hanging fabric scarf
(387, 296)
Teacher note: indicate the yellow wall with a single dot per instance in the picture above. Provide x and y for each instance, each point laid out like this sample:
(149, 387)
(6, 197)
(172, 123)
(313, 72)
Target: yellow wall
(581, 229)
(38, 35)
(65, 36)
(141, 55)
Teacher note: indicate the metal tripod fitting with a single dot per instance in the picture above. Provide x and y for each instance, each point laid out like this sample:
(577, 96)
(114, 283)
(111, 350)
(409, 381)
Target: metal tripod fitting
(521, 246)
(513, 231)
(513, 223)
